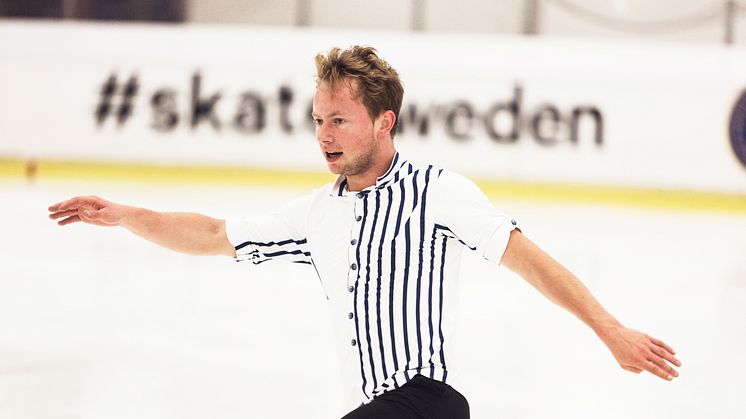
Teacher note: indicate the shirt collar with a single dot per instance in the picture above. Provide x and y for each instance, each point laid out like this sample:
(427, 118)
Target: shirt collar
(393, 173)
(397, 164)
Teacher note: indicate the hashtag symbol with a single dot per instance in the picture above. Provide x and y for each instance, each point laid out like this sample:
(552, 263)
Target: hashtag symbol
(108, 91)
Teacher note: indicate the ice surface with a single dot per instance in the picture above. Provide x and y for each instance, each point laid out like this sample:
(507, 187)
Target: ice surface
(97, 323)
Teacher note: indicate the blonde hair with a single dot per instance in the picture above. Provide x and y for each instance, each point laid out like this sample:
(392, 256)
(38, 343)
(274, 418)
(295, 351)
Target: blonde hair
(378, 85)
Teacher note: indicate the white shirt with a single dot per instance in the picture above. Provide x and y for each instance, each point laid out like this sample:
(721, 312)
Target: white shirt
(388, 258)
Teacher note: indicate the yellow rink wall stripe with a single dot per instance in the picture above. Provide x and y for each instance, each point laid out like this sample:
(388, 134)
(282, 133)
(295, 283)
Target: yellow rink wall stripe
(150, 173)
(681, 200)
(144, 173)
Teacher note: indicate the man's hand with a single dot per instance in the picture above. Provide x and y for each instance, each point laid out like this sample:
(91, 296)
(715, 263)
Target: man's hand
(635, 351)
(88, 209)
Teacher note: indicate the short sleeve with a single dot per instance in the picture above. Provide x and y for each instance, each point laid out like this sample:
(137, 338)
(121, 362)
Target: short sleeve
(463, 211)
(277, 236)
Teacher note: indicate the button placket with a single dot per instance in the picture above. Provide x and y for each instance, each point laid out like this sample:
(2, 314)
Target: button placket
(354, 239)
(353, 268)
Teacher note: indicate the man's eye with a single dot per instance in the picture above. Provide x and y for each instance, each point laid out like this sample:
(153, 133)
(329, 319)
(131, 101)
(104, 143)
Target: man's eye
(338, 121)
(316, 121)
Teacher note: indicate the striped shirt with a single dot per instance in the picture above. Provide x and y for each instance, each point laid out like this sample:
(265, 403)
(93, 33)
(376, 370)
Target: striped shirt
(388, 259)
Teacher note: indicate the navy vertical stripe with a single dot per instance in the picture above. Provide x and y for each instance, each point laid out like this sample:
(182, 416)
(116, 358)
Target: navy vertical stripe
(366, 300)
(440, 319)
(393, 273)
(378, 283)
(357, 282)
(430, 298)
(420, 256)
(407, 253)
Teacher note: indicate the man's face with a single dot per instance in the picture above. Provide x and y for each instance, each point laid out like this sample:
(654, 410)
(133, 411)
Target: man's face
(344, 129)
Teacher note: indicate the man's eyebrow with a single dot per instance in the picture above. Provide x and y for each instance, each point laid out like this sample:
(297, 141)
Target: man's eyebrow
(331, 115)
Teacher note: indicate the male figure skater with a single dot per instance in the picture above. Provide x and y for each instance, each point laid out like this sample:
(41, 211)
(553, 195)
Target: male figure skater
(386, 241)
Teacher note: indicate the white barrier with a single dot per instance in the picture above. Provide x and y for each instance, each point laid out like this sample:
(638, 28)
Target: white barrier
(548, 110)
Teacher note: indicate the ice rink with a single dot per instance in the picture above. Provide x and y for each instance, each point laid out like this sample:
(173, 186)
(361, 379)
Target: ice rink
(96, 323)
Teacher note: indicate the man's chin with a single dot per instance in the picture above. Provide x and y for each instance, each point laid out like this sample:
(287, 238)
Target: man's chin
(334, 168)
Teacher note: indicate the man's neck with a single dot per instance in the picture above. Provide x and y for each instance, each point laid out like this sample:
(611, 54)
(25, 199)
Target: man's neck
(365, 180)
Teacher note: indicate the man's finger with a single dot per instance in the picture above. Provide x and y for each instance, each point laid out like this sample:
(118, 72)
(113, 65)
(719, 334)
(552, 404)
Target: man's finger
(64, 206)
(661, 363)
(663, 345)
(73, 202)
(655, 370)
(60, 214)
(665, 355)
(69, 220)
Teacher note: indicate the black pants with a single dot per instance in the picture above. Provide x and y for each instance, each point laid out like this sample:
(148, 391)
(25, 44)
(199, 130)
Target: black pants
(420, 398)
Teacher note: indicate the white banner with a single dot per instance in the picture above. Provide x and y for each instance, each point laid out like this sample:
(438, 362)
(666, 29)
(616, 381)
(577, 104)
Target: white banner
(536, 109)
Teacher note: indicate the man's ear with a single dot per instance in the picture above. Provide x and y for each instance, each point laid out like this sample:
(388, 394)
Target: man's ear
(385, 122)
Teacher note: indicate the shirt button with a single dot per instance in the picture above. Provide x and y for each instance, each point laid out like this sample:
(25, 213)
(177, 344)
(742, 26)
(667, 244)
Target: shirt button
(353, 266)
(354, 342)
(350, 316)
(360, 194)
(358, 218)
(353, 242)
(351, 288)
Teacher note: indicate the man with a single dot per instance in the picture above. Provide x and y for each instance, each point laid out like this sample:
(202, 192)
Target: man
(385, 240)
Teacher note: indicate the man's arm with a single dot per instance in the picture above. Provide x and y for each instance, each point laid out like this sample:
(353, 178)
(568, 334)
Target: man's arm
(190, 233)
(634, 350)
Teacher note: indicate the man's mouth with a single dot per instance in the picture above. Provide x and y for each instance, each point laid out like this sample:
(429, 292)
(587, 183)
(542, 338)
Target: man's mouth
(332, 155)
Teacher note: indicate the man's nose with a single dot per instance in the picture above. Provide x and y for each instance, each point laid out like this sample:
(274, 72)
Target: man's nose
(322, 134)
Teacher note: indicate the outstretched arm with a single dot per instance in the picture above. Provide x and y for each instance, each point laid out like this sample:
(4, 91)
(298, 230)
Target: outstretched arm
(634, 350)
(190, 233)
